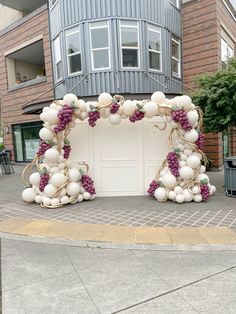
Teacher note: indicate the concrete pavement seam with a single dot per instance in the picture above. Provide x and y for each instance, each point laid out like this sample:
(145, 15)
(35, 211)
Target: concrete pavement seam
(174, 290)
(81, 280)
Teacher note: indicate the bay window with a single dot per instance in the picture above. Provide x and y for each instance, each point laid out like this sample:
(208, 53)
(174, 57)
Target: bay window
(154, 48)
(129, 38)
(100, 45)
(175, 56)
(73, 50)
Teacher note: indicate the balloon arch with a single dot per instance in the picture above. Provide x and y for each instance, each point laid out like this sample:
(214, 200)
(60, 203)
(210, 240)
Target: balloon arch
(181, 177)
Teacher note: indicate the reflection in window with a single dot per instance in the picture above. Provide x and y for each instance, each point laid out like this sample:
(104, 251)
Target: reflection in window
(175, 56)
(154, 47)
(129, 44)
(57, 57)
(175, 3)
(73, 49)
(227, 52)
(100, 45)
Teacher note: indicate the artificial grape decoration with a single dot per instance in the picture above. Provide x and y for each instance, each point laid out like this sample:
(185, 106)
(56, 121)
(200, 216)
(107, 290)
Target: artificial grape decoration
(67, 150)
(114, 108)
(200, 141)
(87, 184)
(180, 116)
(205, 191)
(152, 187)
(44, 178)
(173, 163)
(43, 146)
(65, 117)
(137, 116)
(93, 116)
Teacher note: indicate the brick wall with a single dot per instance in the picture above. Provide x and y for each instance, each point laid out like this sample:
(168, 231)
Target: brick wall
(12, 101)
(201, 23)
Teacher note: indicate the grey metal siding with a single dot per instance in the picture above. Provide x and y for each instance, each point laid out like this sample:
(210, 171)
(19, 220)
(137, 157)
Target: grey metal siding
(68, 14)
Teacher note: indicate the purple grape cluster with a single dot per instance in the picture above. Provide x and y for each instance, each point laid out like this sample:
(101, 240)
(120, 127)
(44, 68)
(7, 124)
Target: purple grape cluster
(180, 116)
(137, 116)
(173, 163)
(67, 150)
(87, 184)
(152, 187)
(44, 178)
(65, 117)
(43, 146)
(200, 141)
(205, 192)
(114, 107)
(93, 116)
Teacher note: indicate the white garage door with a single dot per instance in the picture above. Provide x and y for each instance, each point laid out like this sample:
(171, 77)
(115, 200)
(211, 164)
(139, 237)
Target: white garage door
(123, 159)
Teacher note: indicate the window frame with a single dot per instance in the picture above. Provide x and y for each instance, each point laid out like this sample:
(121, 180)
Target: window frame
(177, 5)
(228, 46)
(100, 49)
(178, 42)
(155, 29)
(57, 79)
(52, 5)
(75, 53)
(128, 47)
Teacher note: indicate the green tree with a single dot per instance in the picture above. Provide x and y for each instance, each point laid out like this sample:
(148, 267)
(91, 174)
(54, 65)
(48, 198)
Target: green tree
(217, 98)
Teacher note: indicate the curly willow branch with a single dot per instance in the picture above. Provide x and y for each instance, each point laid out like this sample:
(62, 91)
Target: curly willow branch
(25, 175)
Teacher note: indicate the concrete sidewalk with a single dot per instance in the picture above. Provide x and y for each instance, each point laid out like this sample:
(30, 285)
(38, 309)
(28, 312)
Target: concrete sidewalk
(138, 219)
(55, 279)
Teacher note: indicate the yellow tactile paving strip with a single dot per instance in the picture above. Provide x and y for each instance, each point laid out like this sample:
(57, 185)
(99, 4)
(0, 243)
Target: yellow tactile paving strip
(119, 234)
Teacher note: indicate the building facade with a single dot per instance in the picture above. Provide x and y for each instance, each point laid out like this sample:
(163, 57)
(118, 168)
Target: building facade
(209, 39)
(127, 47)
(26, 73)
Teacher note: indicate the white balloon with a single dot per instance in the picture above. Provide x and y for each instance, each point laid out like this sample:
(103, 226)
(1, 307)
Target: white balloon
(197, 198)
(104, 99)
(73, 189)
(129, 107)
(45, 134)
(173, 124)
(53, 105)
(158, 97)
(62, 193)
(114, 119)
(80, 198)
(202, 176)
(188, 152)
(34, 178)
(46, 201)
(54, 170)
(185, 101)
(193, 161)
(61, 165)
(74, 175)
(45, 109)
(182, 163)
(52, 155)
(50, 190)
(178, 190)
(212, 189)
(191, 135)
(188, 197)
(71, 100)
(169, 180)
(86, 196)
(82, 105)
(65, 199)
(179, 198)
(202, 169)
(195, 189)
(192, 116)
(172, 195)
(186, 173)
(43, 116)
(151, 109)
(38, 199)
(52, 116)
(28, 195)
(160, 194)
(84, 115)
(181, 147)
(55, 202)
(58, 179)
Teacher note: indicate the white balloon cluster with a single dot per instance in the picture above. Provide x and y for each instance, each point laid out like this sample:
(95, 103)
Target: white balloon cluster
(58, 182)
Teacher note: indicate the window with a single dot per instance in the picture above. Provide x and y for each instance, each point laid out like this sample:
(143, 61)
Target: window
(100, 45)
(154, 48)
(26, 65)
(175, 3)
(175, 56)
(129, 38)
(226, 52)
(57, 58)
(52, 3)
(73, 50)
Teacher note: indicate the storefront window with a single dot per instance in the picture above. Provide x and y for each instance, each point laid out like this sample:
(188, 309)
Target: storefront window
(26, 140)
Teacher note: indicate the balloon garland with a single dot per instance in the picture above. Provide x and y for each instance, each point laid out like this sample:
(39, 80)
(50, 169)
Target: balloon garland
(181, 177)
